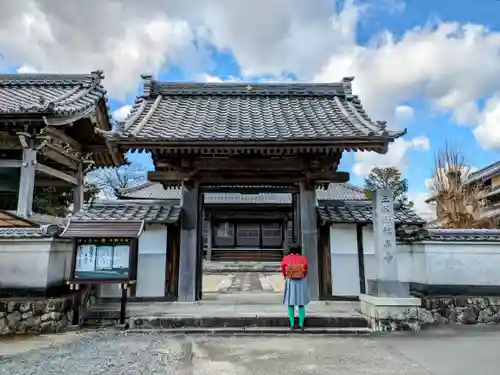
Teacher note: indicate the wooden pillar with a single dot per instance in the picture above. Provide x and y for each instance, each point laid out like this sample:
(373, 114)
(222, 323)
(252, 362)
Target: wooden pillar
(78, 193)
(284, 234)
(209, 239)
(27, 183)
(361, 258)
(188, 257)
(296, 218)
(309, 232)
(199, 247)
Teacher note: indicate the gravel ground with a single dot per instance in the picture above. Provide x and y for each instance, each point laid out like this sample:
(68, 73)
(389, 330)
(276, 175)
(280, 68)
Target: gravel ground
(453, 350)
(114, 353)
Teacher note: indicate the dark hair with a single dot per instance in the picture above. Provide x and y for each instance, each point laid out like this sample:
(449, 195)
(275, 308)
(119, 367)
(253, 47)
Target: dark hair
(295, 249)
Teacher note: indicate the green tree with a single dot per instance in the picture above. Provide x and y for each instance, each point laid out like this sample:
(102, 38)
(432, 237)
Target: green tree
(56, 201)
(388, 178)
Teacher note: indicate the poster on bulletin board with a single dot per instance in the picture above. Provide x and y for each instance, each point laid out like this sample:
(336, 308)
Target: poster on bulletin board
(102, 261)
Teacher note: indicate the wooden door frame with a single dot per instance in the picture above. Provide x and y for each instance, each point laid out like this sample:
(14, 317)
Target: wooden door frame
(324, 263)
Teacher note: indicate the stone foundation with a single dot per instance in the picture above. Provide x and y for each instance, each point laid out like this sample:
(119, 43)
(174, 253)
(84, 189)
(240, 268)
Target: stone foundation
(461, 310)
(391, 313)
(42, 315)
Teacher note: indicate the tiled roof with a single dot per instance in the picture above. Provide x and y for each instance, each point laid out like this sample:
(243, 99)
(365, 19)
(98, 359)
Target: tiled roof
(53, 94)
(44, 231)
(330, 212)
(103, 228)
(460, 235)
(485, 173)
(150, 212)
(341, 192)
(151, 190)
(250, 112)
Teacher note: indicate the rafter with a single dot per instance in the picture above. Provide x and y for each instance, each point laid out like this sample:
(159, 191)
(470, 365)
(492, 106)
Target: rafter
(64, 138)
(60, 156)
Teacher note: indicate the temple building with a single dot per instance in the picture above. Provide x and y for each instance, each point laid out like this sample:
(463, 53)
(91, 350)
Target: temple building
(241, 171)
(47, 141)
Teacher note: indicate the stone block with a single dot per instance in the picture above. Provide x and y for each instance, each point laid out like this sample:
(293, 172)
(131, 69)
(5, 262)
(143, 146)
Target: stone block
(13, 318)
(390, 313)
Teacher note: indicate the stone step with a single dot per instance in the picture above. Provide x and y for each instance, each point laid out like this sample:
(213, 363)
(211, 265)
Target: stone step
(225, 267)
(348, 331)
(247, 255)
(244, 321)
(240, 321)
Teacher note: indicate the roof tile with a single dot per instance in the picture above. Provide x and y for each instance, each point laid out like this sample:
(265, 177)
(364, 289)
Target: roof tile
(235, 112)
(459, 235)
(361, 213)
(57, 94)
(44, 231)
(152, 190)
(150, 212)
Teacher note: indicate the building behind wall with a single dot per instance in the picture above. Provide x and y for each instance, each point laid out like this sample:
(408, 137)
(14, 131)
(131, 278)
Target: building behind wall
(256, 227)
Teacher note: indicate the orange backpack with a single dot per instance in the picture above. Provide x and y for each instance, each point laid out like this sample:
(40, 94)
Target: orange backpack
(295, 271)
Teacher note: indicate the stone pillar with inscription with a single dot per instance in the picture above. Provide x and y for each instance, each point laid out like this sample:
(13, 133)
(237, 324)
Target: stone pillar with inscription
(387, 298)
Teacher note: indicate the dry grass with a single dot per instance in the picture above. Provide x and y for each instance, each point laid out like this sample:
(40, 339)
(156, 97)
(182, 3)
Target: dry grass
(458, 204)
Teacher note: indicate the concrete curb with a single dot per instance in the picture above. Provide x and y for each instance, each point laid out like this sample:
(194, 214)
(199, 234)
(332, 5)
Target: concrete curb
(256, 331)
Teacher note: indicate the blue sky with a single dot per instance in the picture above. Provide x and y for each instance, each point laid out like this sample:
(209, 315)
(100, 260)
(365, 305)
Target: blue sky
(435, 62)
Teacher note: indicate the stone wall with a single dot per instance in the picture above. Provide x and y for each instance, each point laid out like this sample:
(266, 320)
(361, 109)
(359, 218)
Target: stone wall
(42, 315)
(442, 310)
(461, 310)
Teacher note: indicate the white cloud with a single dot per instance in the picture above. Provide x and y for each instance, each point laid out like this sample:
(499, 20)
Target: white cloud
(122, 112)
(488, 130)
(214, 79)
(121, 39)
(450, 64)
(424, 210)
(404, 113)
(395, 157)
(26, 69)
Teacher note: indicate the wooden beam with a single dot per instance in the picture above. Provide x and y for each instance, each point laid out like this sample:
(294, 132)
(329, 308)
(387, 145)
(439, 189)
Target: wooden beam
(60, 156)
(248, 178)
(56, 133)
(236, 164)
(11, 163)
(57, 174)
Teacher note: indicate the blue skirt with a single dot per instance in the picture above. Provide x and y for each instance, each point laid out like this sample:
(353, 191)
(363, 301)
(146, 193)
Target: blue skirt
(296, 292)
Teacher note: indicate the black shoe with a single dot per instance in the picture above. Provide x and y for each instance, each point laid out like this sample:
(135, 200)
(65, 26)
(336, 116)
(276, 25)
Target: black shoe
(301, 329)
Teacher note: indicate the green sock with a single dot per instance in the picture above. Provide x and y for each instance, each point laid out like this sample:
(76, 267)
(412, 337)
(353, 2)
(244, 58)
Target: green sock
(302, 315)
(291, 315)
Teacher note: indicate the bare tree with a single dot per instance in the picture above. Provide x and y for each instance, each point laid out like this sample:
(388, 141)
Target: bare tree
(459, 204)
(110, 180)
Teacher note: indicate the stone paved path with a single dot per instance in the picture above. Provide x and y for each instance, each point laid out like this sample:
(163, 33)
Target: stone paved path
(243, 282)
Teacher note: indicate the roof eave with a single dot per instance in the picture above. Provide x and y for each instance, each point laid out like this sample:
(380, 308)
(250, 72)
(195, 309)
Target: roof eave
(367, 142)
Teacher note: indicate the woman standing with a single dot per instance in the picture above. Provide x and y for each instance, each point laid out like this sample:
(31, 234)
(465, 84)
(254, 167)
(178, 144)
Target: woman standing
(294, 270)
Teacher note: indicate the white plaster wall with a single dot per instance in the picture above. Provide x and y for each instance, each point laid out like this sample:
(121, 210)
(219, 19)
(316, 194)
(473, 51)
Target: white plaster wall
(150, 265)
(152, 261)
(457, 263)
(59, 267)
(34, 263)
(344, 259)
(432, 263)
